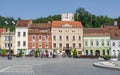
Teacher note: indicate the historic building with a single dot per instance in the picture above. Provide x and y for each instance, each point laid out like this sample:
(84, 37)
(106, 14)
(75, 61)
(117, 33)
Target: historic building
(1, 30)
(96, 42)
(8, 39)
(39, 37)
(114, 32)
(67, 34)
(21, 36)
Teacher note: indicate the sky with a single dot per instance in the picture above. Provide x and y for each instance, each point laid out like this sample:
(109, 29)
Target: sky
(32, 9)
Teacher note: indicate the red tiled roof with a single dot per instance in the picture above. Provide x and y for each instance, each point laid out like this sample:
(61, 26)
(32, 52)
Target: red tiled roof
(111, 27)
(1, 30)
(37, 31)
(40, 26)
(23, 23)
(95, 32)
(115, 34)
(75, 24)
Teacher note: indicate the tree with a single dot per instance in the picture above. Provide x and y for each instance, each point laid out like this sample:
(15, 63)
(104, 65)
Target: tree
(91, 20)
(4, 52)
(75, 53)
(21, 53)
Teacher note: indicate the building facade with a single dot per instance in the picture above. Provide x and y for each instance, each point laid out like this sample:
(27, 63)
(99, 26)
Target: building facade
(96, 42)
(67, 35)
(114, 32)
(8, 39)
(39, 37)
(21, 36)
(1, 30)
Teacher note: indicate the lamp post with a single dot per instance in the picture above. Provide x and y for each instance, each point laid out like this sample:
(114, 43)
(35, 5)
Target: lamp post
(9, 51)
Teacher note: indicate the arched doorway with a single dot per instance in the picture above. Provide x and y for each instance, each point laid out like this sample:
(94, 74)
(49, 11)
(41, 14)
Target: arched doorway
(97, 53)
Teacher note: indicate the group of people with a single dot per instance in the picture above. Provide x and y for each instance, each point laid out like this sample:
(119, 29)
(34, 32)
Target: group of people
(47, 54)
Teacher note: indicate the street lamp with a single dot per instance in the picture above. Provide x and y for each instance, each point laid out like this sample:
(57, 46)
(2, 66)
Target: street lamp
(9, 51)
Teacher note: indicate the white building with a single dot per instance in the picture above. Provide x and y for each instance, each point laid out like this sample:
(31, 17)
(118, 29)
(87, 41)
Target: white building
(68, 17)
(21, 35)
(67, 34)
(114, 32)
(115, 42)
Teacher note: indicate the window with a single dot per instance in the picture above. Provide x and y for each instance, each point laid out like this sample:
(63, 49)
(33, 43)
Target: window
(73, 38)
(119, 44)
(108, 52)
(10, 45)
(91, 52)
(60, 30)
(18, 43)
(54, 44)
(79, 45)
(60, 37)
(67, 45)
(86, 52)
(33, 37)
(33, 45)
(113, 43)
(24, 43)
(97, 43)
(40, 45)
(91, 43)
(107, 43)
(114, 53)
(46, 45)
(10, 38)
(118, 52)
(103, 52)
(5, 44)
(40, 37)
(60, 45)
(86, 43)
(18, 34)
(67, 38)
(102, 42)
(73, 45)
(54, 37)
(79, 38)
(24, 34)
(6, 38)
(46, 36)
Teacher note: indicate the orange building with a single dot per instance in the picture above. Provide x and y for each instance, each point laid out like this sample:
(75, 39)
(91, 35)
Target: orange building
(39, 37)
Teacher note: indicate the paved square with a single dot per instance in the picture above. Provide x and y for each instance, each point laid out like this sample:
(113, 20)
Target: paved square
(51, 66)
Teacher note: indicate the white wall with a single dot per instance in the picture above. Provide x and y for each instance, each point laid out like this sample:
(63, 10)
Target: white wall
(67, 32)
(21, 39)
(115, 49)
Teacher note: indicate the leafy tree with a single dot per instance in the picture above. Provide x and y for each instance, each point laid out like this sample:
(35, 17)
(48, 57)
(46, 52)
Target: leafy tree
(21, 53)
(4, 52)
(90, 20)
(75, 53)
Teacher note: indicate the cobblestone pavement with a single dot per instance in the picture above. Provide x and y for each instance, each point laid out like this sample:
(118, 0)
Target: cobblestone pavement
(50, 66)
